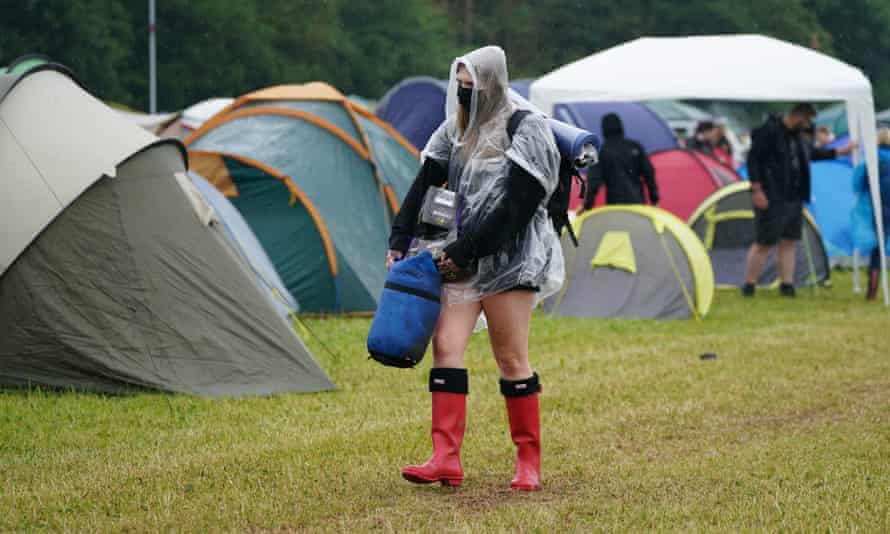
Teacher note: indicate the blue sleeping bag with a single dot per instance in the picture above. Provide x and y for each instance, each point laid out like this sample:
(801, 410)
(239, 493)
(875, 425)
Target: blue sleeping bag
(407, 313)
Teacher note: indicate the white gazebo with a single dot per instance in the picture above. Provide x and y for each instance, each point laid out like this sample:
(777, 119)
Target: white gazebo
(723, 67)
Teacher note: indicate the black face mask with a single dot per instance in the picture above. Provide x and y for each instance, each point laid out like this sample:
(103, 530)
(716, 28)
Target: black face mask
(465, 97)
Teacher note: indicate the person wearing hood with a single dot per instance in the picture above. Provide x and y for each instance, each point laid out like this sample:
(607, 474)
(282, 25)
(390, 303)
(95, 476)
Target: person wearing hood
(779, 169)
(504, 258)
(865, 235)
(623, 168)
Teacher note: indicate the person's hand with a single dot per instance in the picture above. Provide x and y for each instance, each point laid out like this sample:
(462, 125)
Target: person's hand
(844, 151)
(393, 256)
(758, 198)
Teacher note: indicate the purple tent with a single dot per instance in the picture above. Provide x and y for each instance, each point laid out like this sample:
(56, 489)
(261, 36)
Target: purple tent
(416, 106)
(640, 122)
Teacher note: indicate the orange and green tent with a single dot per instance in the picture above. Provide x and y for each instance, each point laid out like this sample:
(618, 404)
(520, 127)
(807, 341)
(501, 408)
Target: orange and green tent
(318, 178)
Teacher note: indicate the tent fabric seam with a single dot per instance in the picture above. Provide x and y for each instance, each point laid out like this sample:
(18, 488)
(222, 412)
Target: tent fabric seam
(36, 168)
(315, 120)
(367, 143)
(387, 127)
(296, 191)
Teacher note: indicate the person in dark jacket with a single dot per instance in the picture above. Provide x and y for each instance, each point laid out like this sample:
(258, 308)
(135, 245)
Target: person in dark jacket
(623, 168)
(779, 167)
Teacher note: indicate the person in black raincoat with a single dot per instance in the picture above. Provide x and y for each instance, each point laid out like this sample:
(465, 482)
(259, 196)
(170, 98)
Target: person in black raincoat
(623, 168)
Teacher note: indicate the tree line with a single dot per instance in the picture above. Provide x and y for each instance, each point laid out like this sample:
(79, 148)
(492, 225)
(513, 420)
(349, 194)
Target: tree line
(228, 47)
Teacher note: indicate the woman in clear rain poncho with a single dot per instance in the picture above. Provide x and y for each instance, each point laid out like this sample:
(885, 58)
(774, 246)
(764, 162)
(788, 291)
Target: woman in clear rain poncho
(506, 253)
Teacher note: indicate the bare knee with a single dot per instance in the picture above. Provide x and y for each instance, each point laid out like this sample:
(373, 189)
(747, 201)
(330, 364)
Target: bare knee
(513, 363)
(447, 352)
(453, 333)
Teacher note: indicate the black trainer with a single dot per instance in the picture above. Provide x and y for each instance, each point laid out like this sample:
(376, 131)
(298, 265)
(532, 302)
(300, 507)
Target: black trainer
(748, 290)
(787, 290)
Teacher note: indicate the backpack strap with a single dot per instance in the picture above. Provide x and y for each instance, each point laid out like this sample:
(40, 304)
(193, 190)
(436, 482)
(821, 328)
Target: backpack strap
(515, 121)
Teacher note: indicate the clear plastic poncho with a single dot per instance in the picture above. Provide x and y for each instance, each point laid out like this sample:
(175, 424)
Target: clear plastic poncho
(478, 160)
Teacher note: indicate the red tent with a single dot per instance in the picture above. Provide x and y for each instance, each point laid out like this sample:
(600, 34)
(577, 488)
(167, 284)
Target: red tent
(685, 178)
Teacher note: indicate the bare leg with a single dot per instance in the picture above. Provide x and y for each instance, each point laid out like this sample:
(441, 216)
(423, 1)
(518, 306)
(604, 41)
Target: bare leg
(786, 259)
(449, 386)
(757, 256)
(509, 317)
(453, 333)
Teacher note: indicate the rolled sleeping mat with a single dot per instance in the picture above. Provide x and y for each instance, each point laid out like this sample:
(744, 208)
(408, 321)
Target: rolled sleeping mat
(575, 145)
(407, 313)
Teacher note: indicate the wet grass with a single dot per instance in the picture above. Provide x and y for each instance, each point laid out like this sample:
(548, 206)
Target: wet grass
(788, 429)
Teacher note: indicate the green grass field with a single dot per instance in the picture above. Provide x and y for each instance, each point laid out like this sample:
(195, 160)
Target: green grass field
(788, 429)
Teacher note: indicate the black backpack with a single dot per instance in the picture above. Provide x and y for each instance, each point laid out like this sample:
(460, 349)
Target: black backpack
(558, 205)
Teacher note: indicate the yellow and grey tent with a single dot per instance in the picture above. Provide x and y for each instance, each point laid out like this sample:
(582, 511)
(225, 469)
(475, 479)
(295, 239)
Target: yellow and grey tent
(634, 262)
(725, 224)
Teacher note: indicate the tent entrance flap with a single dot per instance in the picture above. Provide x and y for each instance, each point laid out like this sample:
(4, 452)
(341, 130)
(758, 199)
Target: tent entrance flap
(615, 251)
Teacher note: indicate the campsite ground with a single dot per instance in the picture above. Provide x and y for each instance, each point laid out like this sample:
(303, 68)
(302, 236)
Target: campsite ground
(788, 429)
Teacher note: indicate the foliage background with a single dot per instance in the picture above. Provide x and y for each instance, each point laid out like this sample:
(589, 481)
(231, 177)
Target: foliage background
(228, 47)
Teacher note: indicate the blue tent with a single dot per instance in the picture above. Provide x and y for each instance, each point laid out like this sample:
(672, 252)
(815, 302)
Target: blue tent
(640, 122)
(416, 107)
(246, 245)
(832, 203)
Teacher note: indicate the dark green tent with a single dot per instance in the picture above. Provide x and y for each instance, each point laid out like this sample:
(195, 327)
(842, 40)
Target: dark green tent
(114, 272)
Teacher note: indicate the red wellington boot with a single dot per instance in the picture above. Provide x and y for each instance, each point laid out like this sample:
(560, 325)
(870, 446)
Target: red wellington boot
(449, 422)
(525, 429)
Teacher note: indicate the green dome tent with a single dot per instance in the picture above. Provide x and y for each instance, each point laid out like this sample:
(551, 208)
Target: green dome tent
(635, 262)
(725, 224)
(114, 272)
(318, 178)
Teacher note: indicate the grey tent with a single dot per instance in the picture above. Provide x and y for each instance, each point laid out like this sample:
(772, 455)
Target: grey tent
(725, 224)
(634, 262)
(113, 272)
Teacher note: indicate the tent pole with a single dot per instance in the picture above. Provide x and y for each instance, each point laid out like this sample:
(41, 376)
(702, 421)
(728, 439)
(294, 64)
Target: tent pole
(884, 271)
(152, 60)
